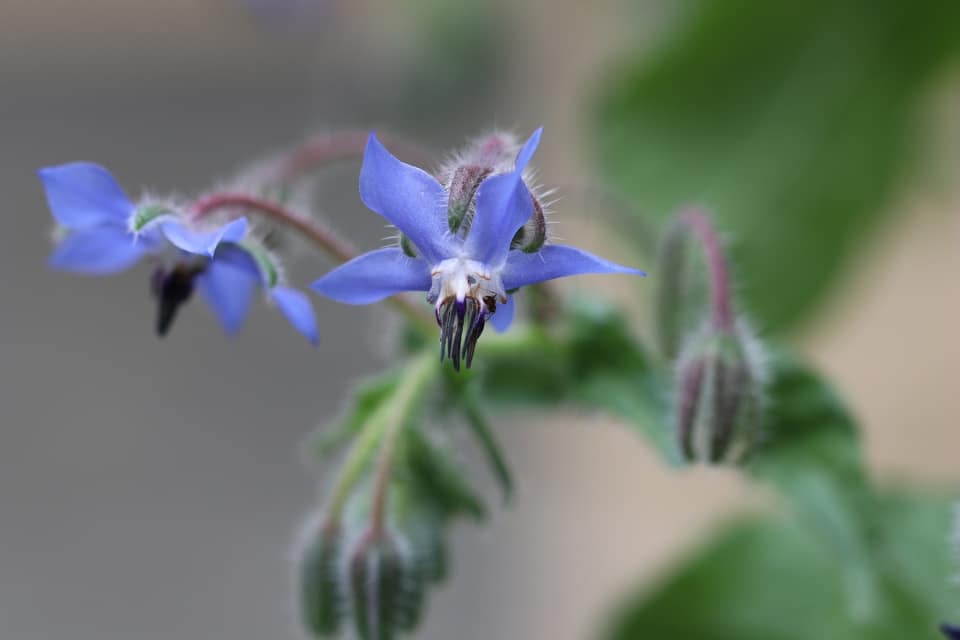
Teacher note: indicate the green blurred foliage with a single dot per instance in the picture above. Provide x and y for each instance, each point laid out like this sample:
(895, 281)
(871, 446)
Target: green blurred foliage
(592, 362)
(771, 580)
(793, 121)
(844, 561)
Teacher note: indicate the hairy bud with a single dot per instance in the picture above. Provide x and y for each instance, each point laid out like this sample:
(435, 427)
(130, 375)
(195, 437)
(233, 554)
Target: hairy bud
(321, 596)
(463, 186)
(387, 589)
(719, 382)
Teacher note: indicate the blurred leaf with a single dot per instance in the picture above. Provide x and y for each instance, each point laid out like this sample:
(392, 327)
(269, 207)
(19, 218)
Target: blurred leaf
(773, 581)
(811, 454)
(478, 424)
(792, 120)
(437, 480)
(368, 397)
(595, 363)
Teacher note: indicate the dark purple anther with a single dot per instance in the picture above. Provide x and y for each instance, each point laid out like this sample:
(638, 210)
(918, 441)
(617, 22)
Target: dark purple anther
(172, 288)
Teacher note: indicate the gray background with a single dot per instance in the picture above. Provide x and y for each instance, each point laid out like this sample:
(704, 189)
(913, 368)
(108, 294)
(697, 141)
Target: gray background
(151, 489)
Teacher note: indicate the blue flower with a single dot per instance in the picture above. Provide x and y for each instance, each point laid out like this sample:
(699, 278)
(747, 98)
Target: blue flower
(106, 233)
(950, 631)
(469, 272)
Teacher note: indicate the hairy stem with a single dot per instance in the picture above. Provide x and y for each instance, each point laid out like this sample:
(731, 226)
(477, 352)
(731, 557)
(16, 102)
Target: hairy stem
(382, 430)
(326, 148)
(721, 307)
(321, 237)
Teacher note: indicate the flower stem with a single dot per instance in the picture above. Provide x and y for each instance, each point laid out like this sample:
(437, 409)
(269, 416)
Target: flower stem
(721, 307)
(320, 236)
(323, 238)
(326, 148)
(383, 429)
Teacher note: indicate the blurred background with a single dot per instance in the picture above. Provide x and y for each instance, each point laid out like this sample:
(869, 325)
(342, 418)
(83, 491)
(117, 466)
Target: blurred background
(152, 489)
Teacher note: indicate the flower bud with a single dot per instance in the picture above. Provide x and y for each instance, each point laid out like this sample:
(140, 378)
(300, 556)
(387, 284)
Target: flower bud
(386, 586)
(719, 382)
(463, 186)
(531, 237)
(321, 596)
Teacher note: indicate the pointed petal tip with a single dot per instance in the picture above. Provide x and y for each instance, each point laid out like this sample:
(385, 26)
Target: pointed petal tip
(529, 148)
(83, 194)
(297, 309)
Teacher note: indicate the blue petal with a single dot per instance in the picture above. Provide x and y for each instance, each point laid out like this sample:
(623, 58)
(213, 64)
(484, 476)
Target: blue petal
(240, 259)
(556, 261)
(82, 194)
(503, 206)
(373, 276)
(228, 289)
(97, 251)
(410, 198)
(950, 631)
(203, 243)
(299, 312)
(503, 317)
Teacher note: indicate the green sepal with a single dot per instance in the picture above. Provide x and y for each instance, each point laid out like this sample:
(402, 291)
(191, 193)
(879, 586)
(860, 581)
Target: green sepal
(265, 263)
(387, 589)
(147, 213)
(322, 605)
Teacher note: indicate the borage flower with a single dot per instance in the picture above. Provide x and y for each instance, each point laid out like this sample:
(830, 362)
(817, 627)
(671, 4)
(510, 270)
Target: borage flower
(103, 232)
(465, 251)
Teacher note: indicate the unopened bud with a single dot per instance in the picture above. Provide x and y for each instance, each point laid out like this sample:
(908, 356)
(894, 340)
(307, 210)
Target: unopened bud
(387, 589)
(531, 236)
(321, 597)
(463, 187)
(719, 382)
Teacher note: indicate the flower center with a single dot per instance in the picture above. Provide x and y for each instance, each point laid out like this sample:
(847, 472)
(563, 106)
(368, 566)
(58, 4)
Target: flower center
(465, 293)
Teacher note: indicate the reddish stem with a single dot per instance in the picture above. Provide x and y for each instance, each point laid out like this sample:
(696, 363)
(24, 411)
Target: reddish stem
(323, 238)
(721, 305)
(381, 485)
(325, 148)
(335, 248)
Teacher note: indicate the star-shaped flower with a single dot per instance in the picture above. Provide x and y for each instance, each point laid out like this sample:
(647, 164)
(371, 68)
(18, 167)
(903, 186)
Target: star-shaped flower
(105, 233)
(467, 265)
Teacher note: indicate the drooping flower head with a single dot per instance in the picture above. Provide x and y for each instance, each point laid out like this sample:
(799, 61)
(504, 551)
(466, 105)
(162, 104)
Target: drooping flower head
(103, 232)
(470, 242)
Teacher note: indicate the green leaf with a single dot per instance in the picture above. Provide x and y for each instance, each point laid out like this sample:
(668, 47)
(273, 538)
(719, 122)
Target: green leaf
(437, 480)
(772, 580)
(793, 121)
(810, 453)
(594, 362)
(477, 422)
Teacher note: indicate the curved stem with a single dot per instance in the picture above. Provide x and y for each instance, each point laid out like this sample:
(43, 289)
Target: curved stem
(721, 307)
(320, 236)
(326, 148)
(383, 429)
(323, 238)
